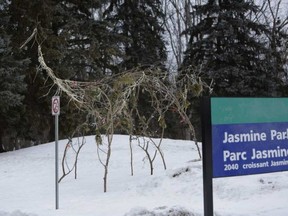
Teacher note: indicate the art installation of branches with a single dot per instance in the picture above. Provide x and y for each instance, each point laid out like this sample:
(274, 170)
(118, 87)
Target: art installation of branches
(113, 103)
(73, 147)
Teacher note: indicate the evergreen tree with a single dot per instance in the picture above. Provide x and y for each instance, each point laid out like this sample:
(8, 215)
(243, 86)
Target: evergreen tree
(227, 44)
(229, 47)
(12, 85)
(278, 41)
(139, 24)
(90, 46)
(76, 44)
(25, 16)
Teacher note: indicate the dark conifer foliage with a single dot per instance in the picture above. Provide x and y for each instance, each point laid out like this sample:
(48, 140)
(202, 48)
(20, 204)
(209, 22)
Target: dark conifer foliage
(85, 40)
(91, 46)
(76, 44)
(278, 43)
(227, 45)
(139, 24)
(25, 17)
(12, 86)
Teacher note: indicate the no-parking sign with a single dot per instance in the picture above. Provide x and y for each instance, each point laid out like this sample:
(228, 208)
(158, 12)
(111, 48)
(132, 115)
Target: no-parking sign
(55, 105)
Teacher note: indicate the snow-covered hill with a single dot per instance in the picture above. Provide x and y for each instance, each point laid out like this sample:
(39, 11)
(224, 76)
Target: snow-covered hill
(27, 185)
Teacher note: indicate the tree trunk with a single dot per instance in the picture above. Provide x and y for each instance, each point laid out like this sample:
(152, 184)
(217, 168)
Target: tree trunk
(1, 144)
(1, 148)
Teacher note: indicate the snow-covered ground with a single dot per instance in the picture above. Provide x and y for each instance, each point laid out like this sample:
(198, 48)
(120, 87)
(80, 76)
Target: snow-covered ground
(27, 186)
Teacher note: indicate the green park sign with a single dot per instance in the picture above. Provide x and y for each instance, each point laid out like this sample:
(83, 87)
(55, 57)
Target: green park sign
(242, 136)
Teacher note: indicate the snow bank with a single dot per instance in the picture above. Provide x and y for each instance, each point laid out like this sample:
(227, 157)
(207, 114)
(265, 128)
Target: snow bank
(15, 213)
(27, 184)
(161, 211)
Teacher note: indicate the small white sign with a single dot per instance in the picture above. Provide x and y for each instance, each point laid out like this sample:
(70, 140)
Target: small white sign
(55, 106)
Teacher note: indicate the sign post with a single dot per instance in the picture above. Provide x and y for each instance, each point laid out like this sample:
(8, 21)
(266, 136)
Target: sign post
(55, 108)
(207, 157)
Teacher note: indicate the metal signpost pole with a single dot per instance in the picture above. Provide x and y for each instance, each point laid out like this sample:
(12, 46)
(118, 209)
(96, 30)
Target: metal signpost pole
(56, 112)
(56, 162)
(207, 157)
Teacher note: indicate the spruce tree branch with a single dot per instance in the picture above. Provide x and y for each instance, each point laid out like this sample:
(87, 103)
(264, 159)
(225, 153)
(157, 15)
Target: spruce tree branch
(30, 38)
